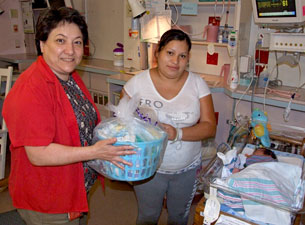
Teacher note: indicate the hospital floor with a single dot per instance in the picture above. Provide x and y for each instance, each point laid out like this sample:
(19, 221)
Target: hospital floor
(116, 205)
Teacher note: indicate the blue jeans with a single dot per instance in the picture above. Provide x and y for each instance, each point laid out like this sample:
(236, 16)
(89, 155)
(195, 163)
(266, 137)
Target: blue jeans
(179, 190)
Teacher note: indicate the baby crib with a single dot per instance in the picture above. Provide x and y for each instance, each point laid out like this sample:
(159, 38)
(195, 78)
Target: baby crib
(283, 145)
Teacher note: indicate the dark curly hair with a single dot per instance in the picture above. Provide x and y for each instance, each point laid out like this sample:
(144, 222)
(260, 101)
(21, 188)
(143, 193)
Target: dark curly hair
(49, 20)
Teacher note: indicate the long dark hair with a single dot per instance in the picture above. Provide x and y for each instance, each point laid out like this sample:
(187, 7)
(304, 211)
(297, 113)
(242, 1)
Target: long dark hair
(50, 18)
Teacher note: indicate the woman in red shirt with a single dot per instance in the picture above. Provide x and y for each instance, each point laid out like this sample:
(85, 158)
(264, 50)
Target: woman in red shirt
(50, 117)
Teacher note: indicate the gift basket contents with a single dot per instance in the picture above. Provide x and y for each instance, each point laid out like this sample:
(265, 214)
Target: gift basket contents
(258, 184)
(148, 139)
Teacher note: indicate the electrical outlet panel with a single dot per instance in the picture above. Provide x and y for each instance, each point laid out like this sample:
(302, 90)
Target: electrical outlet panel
(212, 59)
(17, 43)
(287, 42)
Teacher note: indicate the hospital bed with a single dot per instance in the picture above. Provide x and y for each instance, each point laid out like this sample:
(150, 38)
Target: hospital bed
(285, 146)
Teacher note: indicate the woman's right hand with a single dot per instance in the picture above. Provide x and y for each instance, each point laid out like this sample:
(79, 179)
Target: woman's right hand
(170, 130)
(105, 150)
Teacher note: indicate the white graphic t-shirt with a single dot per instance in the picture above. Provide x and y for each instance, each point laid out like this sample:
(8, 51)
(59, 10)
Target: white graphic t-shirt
(181, 111)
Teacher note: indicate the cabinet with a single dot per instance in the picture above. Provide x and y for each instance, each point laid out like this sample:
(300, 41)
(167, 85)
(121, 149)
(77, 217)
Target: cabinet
(94, 73)
(115, 86)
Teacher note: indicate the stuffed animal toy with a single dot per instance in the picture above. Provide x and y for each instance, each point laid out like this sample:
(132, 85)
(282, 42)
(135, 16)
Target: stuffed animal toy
(259, 122)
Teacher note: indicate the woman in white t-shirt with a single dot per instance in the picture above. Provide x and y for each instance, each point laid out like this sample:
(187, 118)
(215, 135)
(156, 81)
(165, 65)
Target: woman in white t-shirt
(184, 107)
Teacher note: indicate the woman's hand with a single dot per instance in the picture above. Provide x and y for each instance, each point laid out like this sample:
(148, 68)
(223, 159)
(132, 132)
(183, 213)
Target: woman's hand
(57, 154)
(170, 130)
(105, 150)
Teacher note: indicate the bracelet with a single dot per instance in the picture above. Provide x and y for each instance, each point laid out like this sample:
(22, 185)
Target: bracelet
(179, 134)
(180, 131)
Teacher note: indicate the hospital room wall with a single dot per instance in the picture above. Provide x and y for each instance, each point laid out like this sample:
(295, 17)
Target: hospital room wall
(106, 28)
(105, 25)
(12, 40)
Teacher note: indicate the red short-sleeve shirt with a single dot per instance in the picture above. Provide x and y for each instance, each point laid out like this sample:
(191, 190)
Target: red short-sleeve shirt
(37, 112)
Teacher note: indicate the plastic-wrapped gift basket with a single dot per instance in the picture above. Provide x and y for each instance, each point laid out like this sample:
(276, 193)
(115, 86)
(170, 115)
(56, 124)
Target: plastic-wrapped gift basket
(149, 142)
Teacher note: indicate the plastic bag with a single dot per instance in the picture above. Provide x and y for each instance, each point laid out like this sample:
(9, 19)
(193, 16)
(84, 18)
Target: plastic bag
(149, 142)
(207, 155)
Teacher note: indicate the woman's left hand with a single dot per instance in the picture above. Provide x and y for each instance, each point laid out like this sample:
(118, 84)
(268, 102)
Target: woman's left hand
(170, 130)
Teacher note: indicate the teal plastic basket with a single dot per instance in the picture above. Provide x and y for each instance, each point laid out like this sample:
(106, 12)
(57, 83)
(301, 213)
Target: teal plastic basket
(144, 163)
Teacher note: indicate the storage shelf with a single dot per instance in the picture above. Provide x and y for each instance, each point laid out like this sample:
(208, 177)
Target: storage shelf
(202, 42)
(203, 3)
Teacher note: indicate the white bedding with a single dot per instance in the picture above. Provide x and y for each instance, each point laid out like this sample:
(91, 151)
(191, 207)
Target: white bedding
(276, 182)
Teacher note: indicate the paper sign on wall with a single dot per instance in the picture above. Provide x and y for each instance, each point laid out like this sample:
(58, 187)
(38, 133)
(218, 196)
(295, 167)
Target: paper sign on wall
(157, 5)
(14, 13)
(189, 8)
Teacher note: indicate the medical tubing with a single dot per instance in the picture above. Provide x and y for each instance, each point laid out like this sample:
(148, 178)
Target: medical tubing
(254, 72)
(250, 85)
(300, 74)
(227, 12)
(243, 94)
(177, 18)
(267, 83)
(223, 9)
(292, 96)
(177, 13)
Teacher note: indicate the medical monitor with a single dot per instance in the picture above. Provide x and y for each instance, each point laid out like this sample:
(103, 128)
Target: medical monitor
(279, 13)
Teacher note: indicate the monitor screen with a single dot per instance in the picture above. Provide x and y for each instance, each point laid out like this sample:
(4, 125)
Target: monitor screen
(276, 8)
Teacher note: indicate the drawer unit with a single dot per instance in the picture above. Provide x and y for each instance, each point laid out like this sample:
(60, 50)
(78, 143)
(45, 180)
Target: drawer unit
(98, 82)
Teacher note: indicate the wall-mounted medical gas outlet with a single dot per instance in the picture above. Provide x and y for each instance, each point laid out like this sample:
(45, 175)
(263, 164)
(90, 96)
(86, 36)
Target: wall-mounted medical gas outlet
(212, 59)
(292, 42)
